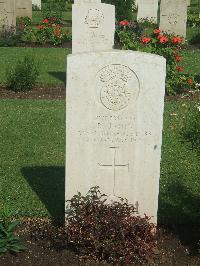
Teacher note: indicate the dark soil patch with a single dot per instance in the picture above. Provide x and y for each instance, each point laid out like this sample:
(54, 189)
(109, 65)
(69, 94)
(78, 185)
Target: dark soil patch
(190, 96)
(57, 92)
(46, 45)
(47, 245)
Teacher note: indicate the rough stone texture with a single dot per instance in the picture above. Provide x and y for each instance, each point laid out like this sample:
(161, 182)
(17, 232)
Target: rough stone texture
(7, 14)
(115, 102)
(37, 3)
(23, 8)
(173, 16)
(147, 9)
(93, 27)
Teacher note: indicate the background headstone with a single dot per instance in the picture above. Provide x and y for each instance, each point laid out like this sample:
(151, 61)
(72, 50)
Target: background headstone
(173, 16)
(7, 14)
(23, 8)
(115, 102)
(147, 9)
(93, 27)
(37, 3)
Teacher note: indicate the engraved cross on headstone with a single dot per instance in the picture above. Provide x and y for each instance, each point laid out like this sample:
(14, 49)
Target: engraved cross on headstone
(114, 166)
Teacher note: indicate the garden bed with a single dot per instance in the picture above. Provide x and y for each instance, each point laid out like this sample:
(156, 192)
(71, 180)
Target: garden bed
(47, 245)
(44, 92)
(47, 45)
(59, 92)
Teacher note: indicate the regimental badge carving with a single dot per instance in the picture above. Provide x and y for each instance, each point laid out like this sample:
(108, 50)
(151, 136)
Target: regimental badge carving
(173, 18)
(94, 18)
(118, 86)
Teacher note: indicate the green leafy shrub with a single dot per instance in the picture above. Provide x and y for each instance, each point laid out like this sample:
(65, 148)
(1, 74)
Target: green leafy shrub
(191, 128)
(8, 240)
(23, 76)
(108, 232)
(195, 39)
(8, 36)
(193, 20)
(162, 44)
(124, 8)
(50, 31)
(23, 22)
(29, 36)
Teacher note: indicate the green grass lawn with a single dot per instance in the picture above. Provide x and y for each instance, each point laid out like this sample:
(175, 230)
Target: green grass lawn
(66, 14)
(32, 156)
(52, 62)
(32, 144)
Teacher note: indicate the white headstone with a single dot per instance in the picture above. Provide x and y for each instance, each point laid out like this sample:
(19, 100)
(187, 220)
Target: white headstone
(173, 16)
(23, 8)
(93, 27)
(148, 10)
(37, 3)
(115, 102)
(7, 14)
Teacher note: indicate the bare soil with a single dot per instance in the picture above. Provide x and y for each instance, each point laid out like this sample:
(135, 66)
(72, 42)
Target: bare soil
(47, 245)
(59, 92)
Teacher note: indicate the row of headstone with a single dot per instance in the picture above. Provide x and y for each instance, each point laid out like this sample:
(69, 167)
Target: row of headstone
(114, 113)
(23, 8)
(147, 9)
(37, 3)
(173, 14)
(11, 9)
(7, 14)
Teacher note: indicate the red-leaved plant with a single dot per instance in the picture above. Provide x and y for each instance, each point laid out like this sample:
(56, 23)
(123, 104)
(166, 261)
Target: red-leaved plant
(111, 233)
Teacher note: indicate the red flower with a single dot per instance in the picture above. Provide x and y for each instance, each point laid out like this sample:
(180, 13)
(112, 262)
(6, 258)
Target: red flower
(45, 20)
(40, 27)
(179, 68)
(57, 32)
(190, 81)
(177, 40)
(156, 31)
(124, 23)
(162, 39)
(146, 40)
(178, 58)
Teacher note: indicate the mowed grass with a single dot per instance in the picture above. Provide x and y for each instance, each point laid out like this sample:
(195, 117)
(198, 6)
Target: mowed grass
(32, 156)
(66, 15)
(32, 144)
(51, 63)
(191, 62)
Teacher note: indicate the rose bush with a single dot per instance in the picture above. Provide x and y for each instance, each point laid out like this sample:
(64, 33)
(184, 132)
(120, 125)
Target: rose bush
(162, 44)
(50, 31)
